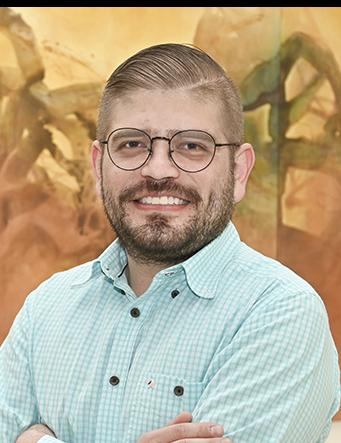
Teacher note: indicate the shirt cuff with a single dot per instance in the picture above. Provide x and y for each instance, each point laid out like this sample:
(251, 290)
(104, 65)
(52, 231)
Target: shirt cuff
(49, 439)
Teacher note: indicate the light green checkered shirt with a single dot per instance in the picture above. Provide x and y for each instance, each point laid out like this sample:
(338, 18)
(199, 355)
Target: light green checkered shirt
(230, 335)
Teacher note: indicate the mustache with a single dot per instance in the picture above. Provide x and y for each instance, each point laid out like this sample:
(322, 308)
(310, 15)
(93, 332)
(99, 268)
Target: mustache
(170, 186)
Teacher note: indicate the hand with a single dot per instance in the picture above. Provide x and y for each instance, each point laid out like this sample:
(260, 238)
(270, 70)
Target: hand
(180, 430)
(34, 433)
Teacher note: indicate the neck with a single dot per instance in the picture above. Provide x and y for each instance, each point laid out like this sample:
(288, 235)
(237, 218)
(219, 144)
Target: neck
(140, 275)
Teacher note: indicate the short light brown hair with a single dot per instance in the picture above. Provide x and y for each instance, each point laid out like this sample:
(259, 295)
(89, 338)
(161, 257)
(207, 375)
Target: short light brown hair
(174, 66)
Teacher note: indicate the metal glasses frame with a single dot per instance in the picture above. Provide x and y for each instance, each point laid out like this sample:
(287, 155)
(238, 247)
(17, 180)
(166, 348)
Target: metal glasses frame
(216, 145)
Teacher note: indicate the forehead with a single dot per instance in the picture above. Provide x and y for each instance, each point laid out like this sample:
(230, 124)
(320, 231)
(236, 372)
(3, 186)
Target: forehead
(166, 111)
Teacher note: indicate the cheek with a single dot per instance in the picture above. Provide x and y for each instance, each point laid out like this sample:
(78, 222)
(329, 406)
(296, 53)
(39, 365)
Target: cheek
(204, 186)
(109, 174)
(109, 184)
(210, 181)
(115, 181)
(216, 186)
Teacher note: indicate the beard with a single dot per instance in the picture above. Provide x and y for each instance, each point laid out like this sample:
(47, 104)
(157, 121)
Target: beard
(157, 241)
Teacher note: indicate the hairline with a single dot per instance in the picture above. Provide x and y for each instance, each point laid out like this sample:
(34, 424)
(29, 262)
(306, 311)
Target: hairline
(198, 91)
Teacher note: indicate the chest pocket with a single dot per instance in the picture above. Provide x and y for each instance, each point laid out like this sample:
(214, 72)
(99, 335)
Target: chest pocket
(158, 399)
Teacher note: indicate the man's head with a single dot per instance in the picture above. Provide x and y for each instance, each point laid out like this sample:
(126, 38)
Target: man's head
(164, 90)
(173, 67)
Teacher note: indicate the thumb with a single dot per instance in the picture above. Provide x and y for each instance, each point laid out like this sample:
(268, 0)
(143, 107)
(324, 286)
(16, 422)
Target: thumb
(183, 417)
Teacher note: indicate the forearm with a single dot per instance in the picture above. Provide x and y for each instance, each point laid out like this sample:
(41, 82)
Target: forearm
(34, 434)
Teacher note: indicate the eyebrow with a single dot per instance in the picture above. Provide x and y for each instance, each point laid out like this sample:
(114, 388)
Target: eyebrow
(169, 132)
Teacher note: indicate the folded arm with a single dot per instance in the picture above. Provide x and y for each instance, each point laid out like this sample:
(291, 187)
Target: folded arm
(277, 381)
(18, 405)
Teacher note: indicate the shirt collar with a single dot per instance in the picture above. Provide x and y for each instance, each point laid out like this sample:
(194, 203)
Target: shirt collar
(111, 263)
(202, 270)
(113, 260)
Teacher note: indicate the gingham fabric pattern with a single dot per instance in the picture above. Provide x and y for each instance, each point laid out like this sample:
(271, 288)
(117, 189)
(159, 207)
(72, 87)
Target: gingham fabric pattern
(230, 335)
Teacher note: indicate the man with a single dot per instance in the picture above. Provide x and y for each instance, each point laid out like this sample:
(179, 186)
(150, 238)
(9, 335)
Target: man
(178, 325)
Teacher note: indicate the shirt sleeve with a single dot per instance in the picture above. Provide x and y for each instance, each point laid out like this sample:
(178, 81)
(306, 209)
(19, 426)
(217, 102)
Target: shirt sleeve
(277, 381)
(18, 405)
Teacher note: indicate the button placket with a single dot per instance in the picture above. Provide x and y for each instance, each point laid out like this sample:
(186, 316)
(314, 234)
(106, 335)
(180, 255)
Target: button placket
(135, 312)
(114, 380)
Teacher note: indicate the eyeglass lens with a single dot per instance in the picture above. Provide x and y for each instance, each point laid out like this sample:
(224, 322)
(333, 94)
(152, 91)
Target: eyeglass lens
(190, 150)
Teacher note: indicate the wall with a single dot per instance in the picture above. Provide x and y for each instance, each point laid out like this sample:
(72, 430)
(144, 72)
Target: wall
(54, 62)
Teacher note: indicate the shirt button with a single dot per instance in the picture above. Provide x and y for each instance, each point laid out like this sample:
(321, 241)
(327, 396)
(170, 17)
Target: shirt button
(175, 293)
(114, 380)
(178, 390)
(135, 312)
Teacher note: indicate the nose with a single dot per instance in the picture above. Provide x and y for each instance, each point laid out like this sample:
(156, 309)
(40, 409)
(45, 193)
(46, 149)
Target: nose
(159, 164)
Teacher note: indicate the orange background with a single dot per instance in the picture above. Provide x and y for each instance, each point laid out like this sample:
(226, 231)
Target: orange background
(54, 63)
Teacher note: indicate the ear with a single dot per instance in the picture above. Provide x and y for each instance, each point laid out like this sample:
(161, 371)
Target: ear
(96, 159)
(244, 162)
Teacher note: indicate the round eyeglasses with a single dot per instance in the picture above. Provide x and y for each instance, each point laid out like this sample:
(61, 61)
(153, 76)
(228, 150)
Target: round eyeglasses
(190, 150)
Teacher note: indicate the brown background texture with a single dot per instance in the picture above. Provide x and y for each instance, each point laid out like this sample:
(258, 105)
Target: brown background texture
(53, 66)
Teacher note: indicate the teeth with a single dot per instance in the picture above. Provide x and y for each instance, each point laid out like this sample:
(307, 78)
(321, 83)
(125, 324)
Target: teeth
(164, 200)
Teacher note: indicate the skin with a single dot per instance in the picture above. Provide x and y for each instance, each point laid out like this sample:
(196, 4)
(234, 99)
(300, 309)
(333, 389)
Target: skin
(176, 431)
(156, 237)
(157, 112)
(34, 433)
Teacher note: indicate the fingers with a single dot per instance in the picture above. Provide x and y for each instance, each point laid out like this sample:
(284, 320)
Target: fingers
(204, 440)
(34, 433)
(183, 417)
(39, 427)
(183, 432)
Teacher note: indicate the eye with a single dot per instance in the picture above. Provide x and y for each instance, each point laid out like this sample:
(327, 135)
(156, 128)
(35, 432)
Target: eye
(130, 145)
(192, 146)
(134, 144)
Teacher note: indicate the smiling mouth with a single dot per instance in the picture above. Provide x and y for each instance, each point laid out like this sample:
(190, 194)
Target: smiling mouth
(163, 200)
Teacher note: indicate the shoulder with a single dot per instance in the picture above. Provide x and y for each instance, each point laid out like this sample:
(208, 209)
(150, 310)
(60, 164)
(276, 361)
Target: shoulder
(254, 284)
(267, 274)
(279, 308)
(73, 276)
(60, 286)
